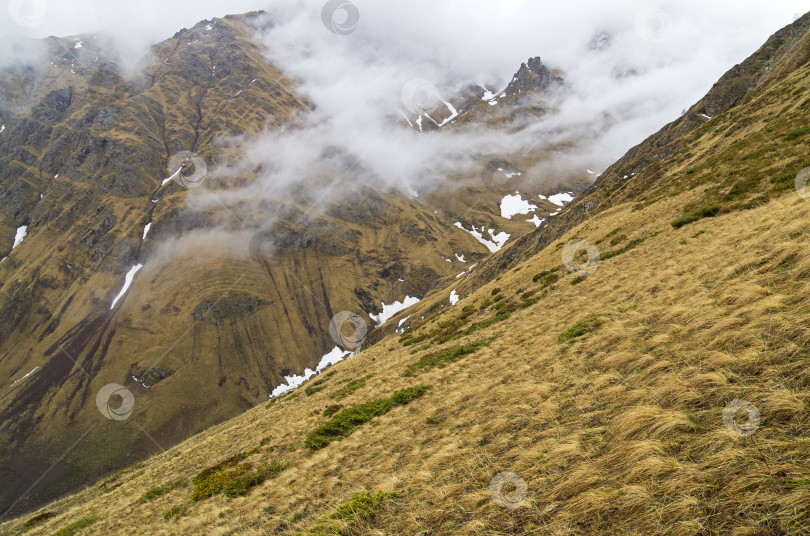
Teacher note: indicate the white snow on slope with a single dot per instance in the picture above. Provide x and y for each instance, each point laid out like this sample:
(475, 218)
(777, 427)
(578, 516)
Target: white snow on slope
(167, 179)
(515, 204)
(146, 230)
(78, 45)
(390, 310)
(561, 199)
(18, 238)
(2, 128)
(336, 355)
(127, 282)
(453, 112)
(24, 377)
(497, 242)
(453, 297)
(536, 220)
(459, 257)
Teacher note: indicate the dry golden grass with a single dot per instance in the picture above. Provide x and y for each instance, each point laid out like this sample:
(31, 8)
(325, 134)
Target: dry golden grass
(619, 431)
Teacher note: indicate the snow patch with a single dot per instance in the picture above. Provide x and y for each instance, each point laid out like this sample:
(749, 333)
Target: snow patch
(515, 204)
(497, 242)
(561, 199)
(706, 116)
(460, 257)
(536, 220)
(127, 282)
(78, 45)
(453, 112)
(24, 377)
(390, 310)
(18, 238)
(336, 355)
(146, 230)
(2, 128)
(453, 297)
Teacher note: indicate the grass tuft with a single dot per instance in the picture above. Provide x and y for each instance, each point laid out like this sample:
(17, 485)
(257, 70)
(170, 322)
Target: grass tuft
(704, 212)
(587, 325)
(74, 528)
(349, 419)
(160, 491)
(446, 355)
(347, 517)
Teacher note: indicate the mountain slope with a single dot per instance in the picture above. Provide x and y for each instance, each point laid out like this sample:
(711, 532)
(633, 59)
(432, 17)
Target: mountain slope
(118, 269)
(603, 394)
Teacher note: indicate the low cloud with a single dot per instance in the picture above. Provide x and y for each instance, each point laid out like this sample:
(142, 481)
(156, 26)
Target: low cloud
(659, 59)
(653, 62)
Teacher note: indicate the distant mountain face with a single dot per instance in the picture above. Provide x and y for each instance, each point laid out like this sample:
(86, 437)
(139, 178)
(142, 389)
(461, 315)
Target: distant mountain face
(110, 275)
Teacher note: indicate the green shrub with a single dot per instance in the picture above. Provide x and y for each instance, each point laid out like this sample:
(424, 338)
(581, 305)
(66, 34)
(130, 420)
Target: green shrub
(362, 508)
(242, 484)
(212, 480)
(756, 202)
(160, 491)
(349, 419)
(546, 278)
(37, 520)
(351, 387)
(113, 481)
(705, 212)
(740, 189)
(444, 356)
(74, 528)
(174, 513)
(500, 316)
(630, 245)
(796, 134)
(587, 325)
(312, 389)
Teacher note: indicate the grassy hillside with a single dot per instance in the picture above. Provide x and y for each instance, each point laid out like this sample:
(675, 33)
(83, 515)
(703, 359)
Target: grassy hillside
(545, 401)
